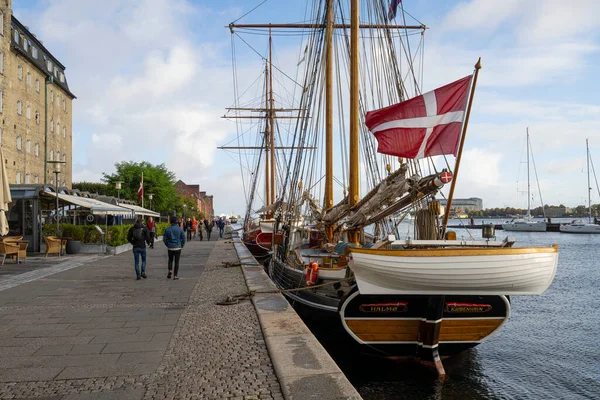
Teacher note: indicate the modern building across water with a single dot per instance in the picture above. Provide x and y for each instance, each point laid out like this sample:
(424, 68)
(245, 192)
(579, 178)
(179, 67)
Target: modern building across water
(464, 205)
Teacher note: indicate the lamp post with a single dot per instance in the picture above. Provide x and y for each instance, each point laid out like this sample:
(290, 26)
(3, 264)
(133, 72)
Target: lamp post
(118, 187)
(184, 207)
(57, 170)
(150, 196)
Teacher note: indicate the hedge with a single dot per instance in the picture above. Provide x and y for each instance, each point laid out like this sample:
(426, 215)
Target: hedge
(88, 234)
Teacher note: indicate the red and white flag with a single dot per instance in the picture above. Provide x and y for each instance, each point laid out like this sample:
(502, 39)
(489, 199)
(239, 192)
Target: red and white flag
(141, 189)
(424, 126)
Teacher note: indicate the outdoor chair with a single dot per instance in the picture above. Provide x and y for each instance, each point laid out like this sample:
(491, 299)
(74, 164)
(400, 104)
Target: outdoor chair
(18, 240)
(54, 245)
(9, 249)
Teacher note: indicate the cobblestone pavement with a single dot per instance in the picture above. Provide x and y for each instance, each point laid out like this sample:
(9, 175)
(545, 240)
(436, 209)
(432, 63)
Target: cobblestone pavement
(94, 332)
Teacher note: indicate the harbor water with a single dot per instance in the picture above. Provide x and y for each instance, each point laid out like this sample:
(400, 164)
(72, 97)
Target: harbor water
(547, 350)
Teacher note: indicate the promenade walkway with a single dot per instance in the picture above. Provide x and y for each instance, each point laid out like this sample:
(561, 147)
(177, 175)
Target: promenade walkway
(84, 328)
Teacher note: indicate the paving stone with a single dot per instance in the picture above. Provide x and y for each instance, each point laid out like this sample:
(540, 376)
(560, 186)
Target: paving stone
(92, 348)
(54, 350)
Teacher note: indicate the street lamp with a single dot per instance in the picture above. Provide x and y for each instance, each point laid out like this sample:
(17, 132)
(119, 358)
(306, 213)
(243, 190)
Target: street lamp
(150, 196)
(184, 207)
(118, 187)
(57, 170)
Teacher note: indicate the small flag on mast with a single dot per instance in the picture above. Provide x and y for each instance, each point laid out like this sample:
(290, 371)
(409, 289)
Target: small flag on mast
(393, 9)
(424, 126)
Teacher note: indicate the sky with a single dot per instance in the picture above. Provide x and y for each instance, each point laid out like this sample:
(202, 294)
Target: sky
(153, 77)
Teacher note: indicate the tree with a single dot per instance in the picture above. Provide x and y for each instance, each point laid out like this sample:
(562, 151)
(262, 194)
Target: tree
(96, 187)
(158, 180)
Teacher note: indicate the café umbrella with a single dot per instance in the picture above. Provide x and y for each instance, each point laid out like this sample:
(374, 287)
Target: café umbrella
(5, 197)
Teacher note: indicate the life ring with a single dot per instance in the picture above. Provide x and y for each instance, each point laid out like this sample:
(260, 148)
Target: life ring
(312, 273)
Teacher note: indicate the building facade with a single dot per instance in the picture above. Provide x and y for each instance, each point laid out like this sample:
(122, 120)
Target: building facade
(464, 205)
(35, 106)
(204, 202)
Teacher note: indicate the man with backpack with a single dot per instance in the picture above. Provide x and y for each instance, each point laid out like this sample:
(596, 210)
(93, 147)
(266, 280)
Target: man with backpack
(138, 236)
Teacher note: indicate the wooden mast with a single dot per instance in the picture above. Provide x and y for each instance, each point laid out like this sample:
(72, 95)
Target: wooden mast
(271, 120)
(328, 202)
(267, 148)
(353, 192)
(460, 148)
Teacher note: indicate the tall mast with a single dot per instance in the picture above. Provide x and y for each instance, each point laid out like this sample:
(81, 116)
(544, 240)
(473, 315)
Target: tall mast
(528, 186)
(353, 192)
(271, 118)
(328, 201)
(267, 177)
(587, 156)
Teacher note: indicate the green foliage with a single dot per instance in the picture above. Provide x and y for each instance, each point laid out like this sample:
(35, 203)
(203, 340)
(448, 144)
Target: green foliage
(158, 180)
(117, 235)
(75, 232)
(50, 230)
(160, 228)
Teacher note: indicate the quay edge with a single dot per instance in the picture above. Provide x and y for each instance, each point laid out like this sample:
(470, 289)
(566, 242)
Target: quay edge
(303, 367)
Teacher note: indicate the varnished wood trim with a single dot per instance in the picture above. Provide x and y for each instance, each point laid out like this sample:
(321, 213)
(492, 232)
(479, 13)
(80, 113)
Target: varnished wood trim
(467, 330)
(456, 251)
(385, 330)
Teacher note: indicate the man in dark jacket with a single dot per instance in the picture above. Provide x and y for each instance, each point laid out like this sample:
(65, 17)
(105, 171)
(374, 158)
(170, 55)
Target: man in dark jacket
(174, 239)
(221, 226)
(208, 226)
(138, 236)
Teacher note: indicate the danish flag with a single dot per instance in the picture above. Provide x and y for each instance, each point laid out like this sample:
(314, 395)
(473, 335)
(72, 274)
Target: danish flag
(446, 176)
(424, 126)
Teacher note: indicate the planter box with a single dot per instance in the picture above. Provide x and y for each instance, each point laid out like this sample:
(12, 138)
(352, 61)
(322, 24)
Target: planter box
(73, 246)
(118, 249)
(92, 248)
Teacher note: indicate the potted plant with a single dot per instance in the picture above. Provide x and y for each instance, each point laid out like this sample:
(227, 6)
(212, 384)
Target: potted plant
(75, 233)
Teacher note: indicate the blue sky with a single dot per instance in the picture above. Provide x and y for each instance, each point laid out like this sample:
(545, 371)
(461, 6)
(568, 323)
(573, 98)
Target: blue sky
(153, 77)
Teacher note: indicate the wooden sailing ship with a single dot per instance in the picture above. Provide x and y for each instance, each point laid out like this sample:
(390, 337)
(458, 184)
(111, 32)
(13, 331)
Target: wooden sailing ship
(428, 296)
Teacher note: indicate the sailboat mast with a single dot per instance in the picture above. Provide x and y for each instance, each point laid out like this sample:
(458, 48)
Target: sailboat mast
(528, 185)
(267, 178)
(353, 192)
(328, 201)
(587, 157)
(271, 118)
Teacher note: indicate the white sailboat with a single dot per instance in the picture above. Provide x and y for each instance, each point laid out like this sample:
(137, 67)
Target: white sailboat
(579, 226)
(526, 224)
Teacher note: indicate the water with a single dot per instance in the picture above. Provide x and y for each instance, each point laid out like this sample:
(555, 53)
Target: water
(547, 350)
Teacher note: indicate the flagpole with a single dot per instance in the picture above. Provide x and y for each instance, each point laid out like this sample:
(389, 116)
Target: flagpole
(460, 148)
(143, 188)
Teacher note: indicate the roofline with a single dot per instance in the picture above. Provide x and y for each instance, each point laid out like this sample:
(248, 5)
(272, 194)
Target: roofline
(14, 19)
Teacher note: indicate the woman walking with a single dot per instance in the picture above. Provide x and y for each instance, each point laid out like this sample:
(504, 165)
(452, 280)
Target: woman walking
(152, 228)
(174, 239)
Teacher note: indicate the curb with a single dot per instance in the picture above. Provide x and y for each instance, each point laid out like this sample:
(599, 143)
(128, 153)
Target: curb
(304, 368)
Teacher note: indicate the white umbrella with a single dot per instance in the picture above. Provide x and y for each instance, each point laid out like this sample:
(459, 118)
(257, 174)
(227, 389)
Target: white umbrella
(5, 197)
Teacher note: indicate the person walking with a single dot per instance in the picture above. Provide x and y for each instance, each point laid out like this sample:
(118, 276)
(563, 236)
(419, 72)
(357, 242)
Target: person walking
(174, 239)
(152, 228)
(194, 227)
(188, 229)
(221, 226)
(138, 236)
(208, 226)
(201, 229)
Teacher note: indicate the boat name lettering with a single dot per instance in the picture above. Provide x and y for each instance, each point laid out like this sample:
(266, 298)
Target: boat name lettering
(467, 308)
(384, 307)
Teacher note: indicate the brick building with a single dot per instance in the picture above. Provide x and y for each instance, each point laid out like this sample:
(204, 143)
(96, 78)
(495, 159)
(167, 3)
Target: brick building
(204, 202)
(35, 106)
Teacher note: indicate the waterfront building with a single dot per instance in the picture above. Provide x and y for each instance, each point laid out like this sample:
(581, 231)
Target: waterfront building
(465, 205)
(35, 106)
(204, 202)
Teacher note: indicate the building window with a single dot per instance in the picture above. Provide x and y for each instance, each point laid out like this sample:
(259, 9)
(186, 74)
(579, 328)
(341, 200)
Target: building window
(1, 62)
(34, 52)
(58, 156)
(49, 65)
(58, 99)
(0, 135)
(36, 179)
(1, 23)
(19, 144)
(36, 149)
(51, 96)
(52, 181)
(27, 178)
(20, 72)
(19, 107)
(64, 105)
(28, 111)
(58, 128)
(51, 125)
(28, 146)
(62, 77)
(37, 117)
(25, 43)
(37, 85)
(16, 36)
(51, 155)
(1, 100)
(64, 131)
(18, 180)
(64, 158)
(56, 72)
(29, 78)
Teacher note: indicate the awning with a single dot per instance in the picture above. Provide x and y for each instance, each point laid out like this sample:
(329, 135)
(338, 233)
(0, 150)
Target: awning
(96, 207)
(140, 210)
